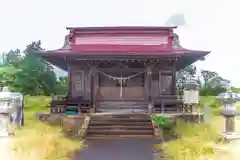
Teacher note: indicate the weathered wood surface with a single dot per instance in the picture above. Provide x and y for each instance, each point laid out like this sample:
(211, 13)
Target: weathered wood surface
(149, 86)
(118, 106)
(80, 82)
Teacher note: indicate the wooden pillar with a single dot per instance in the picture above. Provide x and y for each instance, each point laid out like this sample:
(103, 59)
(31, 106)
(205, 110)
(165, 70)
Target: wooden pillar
(93, 90)
(149, 91)
(174, 77)
(149, 74)
(69, 93)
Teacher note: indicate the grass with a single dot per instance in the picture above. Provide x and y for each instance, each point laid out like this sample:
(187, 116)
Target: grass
(201, 141)
(195, 142)
(40, 141)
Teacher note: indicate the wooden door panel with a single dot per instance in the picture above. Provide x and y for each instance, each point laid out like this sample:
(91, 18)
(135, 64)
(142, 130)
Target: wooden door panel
(132, 89)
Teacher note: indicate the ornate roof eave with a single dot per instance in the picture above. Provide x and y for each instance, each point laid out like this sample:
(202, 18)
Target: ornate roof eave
(177, 49)
(119, 28)
(185, 56)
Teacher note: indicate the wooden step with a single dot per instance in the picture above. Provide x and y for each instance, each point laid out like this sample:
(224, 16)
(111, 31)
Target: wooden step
(128, 106)
(123, 102)
(121, 115)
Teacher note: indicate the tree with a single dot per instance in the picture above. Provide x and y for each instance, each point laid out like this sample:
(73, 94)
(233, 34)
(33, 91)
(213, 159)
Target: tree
(184, 75)
(27, 73)
(37, 75)
(212, 83)
(12, 57)
(8, 77)
(62, 84)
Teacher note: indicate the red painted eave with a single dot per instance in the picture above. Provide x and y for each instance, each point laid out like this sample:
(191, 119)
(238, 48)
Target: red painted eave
(178, 52)
(121, 28)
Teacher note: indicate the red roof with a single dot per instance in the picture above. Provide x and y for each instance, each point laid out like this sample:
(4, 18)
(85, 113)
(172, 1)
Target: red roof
(122, 42)
(122, 28)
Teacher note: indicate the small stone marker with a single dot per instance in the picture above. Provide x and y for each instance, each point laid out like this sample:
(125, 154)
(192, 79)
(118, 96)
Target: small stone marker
(4, 125)
(11, 111)
(207, 113)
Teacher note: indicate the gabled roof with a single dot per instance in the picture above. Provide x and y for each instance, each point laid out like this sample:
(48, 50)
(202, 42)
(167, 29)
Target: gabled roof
(187, 56)
(121, 28)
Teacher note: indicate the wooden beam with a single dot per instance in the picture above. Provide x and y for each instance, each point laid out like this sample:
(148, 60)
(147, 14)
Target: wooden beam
(69, 80)
(150, 84)
(93, 87)
(92, 90)
(121, 69)
(129, 57)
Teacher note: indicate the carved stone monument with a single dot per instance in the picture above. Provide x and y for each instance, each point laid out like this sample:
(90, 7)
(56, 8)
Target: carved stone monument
(191, 109)
(190, 95)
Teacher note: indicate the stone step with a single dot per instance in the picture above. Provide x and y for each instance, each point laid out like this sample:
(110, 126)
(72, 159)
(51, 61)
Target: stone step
(120, 115)
(121, 127)
(120, 132)
(127, 123)
(120, 137)
(121, 120)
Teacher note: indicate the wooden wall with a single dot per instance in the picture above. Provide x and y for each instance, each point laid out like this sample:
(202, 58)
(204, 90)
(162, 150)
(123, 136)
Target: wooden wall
(85, 82)
(161, 83)
(80, 85)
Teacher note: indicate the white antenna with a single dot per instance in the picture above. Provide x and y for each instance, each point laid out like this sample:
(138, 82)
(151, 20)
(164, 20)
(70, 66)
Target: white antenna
(176, 20)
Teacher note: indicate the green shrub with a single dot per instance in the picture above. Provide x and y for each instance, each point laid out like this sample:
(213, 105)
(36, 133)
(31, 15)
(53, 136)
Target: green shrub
(165, 123)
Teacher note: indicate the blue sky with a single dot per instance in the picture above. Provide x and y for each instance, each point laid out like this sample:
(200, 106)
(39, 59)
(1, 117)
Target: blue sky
(211, 25)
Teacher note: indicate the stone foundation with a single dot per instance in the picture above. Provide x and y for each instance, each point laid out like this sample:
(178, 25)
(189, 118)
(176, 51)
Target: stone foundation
(193, 118)
(158, 133)
(73, 125)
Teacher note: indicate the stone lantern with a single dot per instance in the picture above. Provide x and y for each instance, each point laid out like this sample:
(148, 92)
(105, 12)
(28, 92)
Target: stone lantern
(11, 111)
(229, 110)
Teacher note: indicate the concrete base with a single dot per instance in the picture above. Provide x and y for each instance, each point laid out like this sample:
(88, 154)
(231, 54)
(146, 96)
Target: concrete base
(229, 136)
(73, 125)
